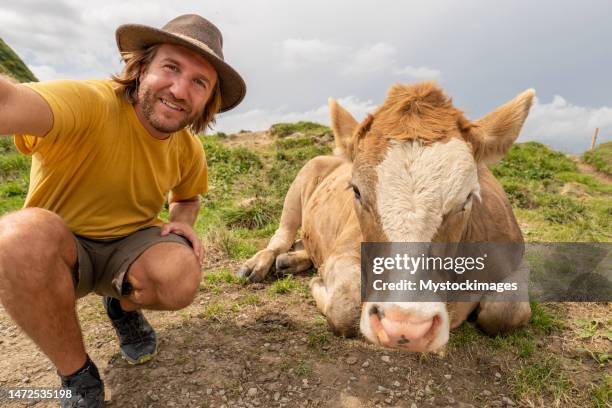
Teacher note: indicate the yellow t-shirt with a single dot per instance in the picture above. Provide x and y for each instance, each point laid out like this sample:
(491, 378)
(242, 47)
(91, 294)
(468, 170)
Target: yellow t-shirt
(100, 169)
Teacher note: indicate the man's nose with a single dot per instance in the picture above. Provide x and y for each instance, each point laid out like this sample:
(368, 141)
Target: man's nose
(180, 88)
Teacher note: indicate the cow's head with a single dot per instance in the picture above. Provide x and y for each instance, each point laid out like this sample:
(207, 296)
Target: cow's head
(415, 176)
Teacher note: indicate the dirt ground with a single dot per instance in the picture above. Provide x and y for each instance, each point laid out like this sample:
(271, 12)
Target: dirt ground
(276, 352)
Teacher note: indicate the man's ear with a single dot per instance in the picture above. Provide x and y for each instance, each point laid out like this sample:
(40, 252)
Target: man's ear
(493, 135)
(343, 125)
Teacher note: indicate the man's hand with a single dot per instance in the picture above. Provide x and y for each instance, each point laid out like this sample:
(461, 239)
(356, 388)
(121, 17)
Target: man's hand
(185, 230)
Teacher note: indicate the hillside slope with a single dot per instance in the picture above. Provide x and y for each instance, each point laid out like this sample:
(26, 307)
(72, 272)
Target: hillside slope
(12, 65)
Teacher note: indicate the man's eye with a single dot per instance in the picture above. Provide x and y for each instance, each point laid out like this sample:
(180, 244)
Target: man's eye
(201, 83)
(171, 67)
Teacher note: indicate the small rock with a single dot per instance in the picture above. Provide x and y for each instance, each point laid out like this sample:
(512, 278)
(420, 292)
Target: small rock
(396, 384)
(486, 393)
(497, 375)
(508, 401)
(25, 380)
(208, 391)
(386, 359)
(413, 405)
(351, 360)
(366, 364)
(388, 400)
(276, 396)
(252, 392)
(448, 376)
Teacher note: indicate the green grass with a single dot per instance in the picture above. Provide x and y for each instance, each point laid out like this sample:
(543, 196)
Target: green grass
(534, 177)
(464, 335)
(250, 300)
(224, 241)
(318, 334)
(214, 311)
(288, 284)
(543, 320)
(600, 158)
(601, 395)
(308, 128)
(223, 276)
(255, 215)
(532, 161)
(542, 376)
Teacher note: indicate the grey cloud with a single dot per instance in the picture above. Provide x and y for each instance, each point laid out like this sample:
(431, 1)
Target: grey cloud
(482, 55)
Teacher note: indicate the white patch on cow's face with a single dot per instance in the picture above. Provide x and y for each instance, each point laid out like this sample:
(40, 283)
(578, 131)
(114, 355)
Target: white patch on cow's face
(418, 185)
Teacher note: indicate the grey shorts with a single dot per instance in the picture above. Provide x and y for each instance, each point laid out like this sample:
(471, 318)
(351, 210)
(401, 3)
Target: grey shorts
(102, 264)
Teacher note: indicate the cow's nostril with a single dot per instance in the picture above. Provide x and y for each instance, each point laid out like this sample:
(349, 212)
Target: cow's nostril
(373, 310)
(377, 311)
(403, 340)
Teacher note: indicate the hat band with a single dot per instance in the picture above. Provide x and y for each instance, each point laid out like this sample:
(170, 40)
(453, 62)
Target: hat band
(196, 43)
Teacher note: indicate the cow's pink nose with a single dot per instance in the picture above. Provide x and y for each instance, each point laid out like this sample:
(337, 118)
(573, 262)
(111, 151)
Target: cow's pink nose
(405, 330)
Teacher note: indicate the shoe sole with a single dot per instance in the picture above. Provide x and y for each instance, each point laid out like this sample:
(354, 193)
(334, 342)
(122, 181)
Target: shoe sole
(141, 360)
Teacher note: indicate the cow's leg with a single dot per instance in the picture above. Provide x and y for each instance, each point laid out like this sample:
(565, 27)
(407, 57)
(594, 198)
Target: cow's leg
(498, 315)
(257, 267)
(293, 262)
(337, 294)
(459, 312)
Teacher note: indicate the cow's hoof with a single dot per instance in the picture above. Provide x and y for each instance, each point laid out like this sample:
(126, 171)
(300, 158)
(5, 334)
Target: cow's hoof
(282, 262)
(250, 275)
(244, 272)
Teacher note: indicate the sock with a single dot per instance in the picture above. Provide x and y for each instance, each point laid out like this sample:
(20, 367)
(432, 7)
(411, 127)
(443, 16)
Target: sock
(114, 309)
(89, 365)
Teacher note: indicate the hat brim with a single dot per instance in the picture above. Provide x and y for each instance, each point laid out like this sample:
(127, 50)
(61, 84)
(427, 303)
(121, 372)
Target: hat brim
(134, 37)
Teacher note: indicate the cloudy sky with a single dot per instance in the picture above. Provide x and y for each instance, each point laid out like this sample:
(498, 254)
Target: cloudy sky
(295, 54)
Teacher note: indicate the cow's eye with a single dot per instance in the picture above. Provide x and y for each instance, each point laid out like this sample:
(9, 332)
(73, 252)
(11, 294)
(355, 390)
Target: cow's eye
(468, 202)
(355, 191)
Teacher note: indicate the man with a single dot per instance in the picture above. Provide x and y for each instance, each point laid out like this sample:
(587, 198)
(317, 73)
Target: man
(105, 156)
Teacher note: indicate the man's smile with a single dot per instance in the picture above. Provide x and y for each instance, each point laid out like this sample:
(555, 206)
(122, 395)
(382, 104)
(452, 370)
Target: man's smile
(171, 105)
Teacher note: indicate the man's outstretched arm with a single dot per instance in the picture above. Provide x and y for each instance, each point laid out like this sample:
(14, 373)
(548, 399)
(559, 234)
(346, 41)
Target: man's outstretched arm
(23, 111)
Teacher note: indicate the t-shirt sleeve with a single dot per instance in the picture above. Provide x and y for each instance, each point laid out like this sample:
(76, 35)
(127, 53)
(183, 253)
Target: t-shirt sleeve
(75, 108)
(194, 175)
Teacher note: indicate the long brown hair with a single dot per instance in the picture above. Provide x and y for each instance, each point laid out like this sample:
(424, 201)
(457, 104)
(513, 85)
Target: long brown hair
(128, 81)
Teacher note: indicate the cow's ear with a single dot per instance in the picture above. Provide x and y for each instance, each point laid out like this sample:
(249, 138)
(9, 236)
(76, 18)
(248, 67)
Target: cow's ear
(493, 135)
(343, 125)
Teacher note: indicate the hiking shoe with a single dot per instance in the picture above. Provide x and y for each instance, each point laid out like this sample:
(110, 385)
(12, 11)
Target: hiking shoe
(86, 388)
(137, 339)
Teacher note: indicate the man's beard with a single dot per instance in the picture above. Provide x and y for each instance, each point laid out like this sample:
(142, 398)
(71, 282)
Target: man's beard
(147, 100)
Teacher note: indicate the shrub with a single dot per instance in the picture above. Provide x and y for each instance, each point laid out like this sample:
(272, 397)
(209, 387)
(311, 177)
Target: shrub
(286, 129)
(532, 161)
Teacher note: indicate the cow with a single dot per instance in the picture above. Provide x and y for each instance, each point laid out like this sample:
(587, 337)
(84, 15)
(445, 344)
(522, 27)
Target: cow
(415, 170)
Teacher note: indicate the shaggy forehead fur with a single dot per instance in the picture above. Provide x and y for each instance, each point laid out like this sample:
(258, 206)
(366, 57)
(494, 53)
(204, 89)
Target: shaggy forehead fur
(411, 112)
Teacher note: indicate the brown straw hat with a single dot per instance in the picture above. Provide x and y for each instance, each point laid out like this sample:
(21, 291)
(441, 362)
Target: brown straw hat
(196, 33)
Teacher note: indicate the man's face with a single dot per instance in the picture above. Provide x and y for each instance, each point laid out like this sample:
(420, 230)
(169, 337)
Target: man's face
(174, 89)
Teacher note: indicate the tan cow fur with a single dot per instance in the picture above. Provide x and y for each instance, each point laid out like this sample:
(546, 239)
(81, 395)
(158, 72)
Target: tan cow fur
(321, 201)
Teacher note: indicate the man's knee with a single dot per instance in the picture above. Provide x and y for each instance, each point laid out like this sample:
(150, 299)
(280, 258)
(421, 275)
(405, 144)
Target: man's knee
(35, 235)
(166, 276)
(37, 252)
